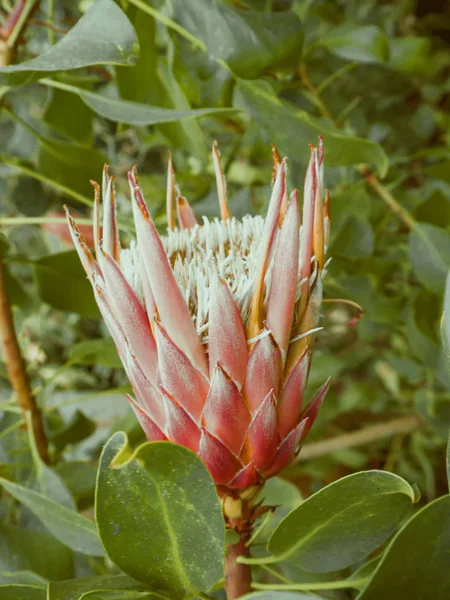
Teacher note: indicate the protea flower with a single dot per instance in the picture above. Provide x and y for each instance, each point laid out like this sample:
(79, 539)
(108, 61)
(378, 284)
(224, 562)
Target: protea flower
(214, 322)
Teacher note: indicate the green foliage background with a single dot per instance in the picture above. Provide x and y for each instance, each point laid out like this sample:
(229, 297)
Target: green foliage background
(372, 77)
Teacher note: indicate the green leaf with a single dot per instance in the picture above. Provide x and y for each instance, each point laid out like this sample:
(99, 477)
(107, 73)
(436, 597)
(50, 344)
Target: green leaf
(76, 588)
(410, 54)
(79, 477)
(79, 126)
(249, 42)
(70, 164)
(69, 527)
(160, 503)
(445, 324)
(62, 283)
(354, 240)
(78, 427)
(429, 253)
(357, 43)
(285, 125)
(23, 549)
(103, 35)
(343, 522)
(277, 595)
(448, 460)
(415, 565)
(95, 352)
(134, 113)
(24, 577)
(136, 83)
(22, 592)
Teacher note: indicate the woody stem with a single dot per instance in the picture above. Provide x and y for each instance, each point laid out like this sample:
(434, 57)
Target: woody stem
(15, 366)
(238, 577)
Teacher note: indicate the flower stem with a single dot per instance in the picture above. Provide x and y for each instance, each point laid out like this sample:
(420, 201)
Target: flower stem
(15, 366)
(238, 576)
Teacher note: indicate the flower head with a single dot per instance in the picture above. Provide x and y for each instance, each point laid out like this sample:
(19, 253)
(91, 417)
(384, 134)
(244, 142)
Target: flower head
(214, 322)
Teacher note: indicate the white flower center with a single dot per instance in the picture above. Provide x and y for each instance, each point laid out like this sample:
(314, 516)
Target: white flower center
(229, 248)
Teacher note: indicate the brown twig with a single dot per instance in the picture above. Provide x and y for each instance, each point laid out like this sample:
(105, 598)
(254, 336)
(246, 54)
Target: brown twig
(368, 435)
(15, 366)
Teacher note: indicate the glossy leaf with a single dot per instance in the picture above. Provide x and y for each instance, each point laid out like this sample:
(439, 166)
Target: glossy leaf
(135, 113)
(277, 595)
(343, 522)
(429, 252)
(103, 35)
(21, 549)
(415, 565)
(357, 43)
(285, 124)
(101, 351)
(249, 42)
(22, 592)
(62, 283)
(72, 529)
(161, 505)
(445, 324)
(74, 589)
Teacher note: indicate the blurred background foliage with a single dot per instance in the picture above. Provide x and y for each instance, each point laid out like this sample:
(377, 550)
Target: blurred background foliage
(372, 76)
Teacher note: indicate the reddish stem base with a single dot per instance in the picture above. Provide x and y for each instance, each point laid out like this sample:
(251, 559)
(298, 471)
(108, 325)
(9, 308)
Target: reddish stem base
(238, 577)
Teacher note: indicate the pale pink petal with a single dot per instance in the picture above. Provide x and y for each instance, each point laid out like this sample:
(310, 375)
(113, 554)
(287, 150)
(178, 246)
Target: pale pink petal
(256, 319)
(263, 371)
(110, 240)
(151, 430)
(172, 308)
(246, 477)
(287, 450)
(186, 214)
(180, 428)
(87, 260)
(225, 414)
(290, 403)
(309, 196)
(262, 437)
(148, 394)
(96, 218)
(227, 341)
(320, 160)
(220, 462)
(283, 288)
(132, 316)
(179, 377)
(312, 410)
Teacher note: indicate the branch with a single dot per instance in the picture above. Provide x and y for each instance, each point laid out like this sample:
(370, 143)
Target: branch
(15, 366)
(368, 435)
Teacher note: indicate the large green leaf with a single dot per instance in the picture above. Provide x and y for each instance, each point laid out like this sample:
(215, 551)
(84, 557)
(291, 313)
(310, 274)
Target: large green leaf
(415, 565)
(62, 283)
(134, 113)
(429, 252)
(445, 324)
(290, 129)
(26, 550)
(70, 528)
(74, 589)
(159, 516)
(249, 42)
(103, 35)
(359, 43)
(22, 592)
(279, 596)
(343, 522)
